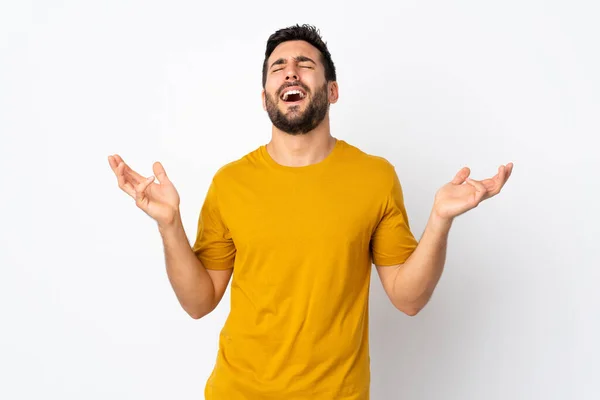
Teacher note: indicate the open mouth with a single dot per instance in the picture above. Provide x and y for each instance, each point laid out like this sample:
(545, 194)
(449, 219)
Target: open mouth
(293, 96)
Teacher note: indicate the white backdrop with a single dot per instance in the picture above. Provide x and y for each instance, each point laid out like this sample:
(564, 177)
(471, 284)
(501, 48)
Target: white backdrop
(86, 308)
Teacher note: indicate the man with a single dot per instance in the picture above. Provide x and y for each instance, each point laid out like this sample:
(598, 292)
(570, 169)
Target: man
(299, 223)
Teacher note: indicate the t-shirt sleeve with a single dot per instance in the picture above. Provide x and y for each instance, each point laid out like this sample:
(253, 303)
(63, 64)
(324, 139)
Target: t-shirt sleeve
(392, 241)
(214, 245)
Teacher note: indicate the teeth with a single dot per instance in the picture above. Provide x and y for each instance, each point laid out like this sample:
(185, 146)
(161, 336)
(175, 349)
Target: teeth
(286, 94)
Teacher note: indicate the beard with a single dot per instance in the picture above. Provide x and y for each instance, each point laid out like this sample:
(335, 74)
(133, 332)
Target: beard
(295, 122)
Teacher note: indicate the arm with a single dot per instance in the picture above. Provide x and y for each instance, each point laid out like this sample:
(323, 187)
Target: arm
(410, 285)
(198, 290)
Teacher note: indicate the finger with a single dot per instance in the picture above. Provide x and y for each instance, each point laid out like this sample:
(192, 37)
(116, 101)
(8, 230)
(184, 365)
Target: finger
(113, 162)
(460, 177)
(509, 168)
(494, 184)
(160, 173)
(480, 190)
(117, 158)
(499, 180)
(124, 184)
(133, 176)
(503, 174)
(140, 189)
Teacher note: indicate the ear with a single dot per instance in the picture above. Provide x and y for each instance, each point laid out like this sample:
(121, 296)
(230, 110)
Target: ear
(333, 92)
(262, 95)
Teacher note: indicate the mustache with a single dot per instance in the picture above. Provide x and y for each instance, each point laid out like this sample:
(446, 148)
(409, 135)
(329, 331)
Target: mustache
(287, 85)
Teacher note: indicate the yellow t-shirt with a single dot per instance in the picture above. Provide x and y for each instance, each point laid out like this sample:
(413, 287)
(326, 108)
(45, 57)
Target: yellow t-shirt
(301, 242)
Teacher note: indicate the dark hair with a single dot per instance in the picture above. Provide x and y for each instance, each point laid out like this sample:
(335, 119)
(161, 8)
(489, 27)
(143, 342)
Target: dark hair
(307, 33)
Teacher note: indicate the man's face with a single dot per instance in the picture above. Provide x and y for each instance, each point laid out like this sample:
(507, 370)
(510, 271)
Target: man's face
(296, 95)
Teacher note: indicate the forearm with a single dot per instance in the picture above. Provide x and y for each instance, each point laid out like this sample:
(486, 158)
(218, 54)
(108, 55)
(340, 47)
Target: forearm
(417, 278)
(191, 282)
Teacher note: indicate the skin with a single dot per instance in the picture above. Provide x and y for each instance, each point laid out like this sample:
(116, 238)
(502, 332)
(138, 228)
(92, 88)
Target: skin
(198, 290)
(409, 286)
(310, 148)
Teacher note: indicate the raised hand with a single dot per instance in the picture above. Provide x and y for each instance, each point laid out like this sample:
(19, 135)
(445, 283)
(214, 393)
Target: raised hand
(463, 194)
(159, 200)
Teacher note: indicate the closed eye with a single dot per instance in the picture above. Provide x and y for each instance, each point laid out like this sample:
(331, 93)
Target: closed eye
(302, 66)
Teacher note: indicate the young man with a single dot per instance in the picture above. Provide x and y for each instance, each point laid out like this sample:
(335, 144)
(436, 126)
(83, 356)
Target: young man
(299, 223)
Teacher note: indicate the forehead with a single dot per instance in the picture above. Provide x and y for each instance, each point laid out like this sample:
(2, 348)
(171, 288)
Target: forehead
(295, 48)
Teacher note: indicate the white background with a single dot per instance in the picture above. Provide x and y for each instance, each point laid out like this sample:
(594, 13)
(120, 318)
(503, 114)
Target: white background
(86, 308)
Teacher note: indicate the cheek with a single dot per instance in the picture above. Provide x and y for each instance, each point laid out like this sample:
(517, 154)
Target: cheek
(271, 90)
(273, 83)
(271, 98)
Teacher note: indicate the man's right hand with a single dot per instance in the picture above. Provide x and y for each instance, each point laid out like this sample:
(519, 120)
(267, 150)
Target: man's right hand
(159, 200)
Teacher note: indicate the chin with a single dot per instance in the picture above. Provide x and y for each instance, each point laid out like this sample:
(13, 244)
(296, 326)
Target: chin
(293, 108)
(294, 117)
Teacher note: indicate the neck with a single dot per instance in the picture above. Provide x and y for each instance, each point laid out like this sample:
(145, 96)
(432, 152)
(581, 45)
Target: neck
(301, 150)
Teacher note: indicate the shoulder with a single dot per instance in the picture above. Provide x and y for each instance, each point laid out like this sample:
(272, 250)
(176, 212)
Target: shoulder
(372, 160)
(373, 166)
(236, 169)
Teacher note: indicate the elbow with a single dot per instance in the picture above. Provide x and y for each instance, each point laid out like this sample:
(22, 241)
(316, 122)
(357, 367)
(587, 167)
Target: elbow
(413, 305)
(197, 312)
(198, 307)
(196, 315)
(411, 312)
(410, 309)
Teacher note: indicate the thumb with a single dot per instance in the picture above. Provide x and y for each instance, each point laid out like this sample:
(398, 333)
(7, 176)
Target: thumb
(160, 173)
(461, 176)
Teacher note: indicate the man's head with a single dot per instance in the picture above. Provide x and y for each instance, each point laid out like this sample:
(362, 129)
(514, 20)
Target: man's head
(299, 79)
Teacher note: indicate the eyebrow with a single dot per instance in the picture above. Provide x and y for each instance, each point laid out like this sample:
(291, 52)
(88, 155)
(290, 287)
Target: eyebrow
(298, 59)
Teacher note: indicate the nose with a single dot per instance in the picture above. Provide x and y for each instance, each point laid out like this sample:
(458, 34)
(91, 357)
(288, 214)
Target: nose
(291, 74)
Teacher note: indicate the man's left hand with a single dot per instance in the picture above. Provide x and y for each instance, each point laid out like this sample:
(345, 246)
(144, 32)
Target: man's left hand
(463, 194)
